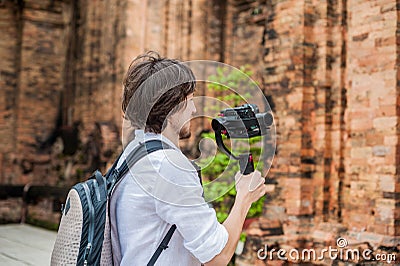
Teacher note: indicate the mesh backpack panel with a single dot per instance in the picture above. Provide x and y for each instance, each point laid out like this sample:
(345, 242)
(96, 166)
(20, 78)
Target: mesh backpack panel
(66, 248)
(80, 235)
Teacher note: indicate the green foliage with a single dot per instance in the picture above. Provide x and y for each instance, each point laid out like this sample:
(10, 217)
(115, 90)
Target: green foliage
(221, 204)
(242, 237)
(226, 81)
(42, 223)
(221, 162)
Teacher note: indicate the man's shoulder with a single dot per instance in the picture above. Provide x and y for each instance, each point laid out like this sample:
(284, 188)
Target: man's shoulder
(172, 158)
(168, 157)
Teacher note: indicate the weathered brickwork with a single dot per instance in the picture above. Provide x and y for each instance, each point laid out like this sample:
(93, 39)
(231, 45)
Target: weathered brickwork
(61, 75)
(371, 119)
(9, 45)
(329, 68)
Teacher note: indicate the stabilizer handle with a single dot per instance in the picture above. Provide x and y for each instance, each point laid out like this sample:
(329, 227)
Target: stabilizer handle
(246, 163)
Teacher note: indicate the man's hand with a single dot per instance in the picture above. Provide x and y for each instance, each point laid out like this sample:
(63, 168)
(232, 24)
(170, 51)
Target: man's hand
(250, 187)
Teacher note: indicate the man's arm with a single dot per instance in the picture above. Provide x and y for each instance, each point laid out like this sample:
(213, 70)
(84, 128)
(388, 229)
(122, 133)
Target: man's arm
(249, 189)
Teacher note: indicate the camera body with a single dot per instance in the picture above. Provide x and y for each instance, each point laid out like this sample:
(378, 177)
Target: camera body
(241, 122)
(244, 121)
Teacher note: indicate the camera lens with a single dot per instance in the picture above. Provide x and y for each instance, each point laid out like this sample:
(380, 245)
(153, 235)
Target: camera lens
(268, 119)
(265, 119)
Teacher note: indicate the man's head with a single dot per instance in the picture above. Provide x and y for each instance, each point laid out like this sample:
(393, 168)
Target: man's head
(155, 89)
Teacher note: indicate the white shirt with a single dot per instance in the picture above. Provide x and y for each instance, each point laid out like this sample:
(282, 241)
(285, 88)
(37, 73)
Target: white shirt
(162, 189)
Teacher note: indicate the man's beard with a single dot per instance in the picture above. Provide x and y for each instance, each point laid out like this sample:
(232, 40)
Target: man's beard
(185, 133)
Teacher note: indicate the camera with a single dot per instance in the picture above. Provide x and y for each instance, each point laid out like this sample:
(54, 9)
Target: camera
(242, 122)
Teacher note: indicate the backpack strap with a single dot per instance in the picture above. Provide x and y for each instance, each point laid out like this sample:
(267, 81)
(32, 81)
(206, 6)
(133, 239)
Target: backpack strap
(163, 245)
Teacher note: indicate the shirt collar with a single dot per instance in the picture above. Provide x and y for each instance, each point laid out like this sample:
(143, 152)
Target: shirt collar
(141, 135)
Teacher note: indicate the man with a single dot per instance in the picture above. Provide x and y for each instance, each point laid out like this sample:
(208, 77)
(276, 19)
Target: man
(163, 188)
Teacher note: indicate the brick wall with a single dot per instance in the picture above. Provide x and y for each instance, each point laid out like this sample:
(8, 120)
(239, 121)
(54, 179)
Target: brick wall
(371, 118)
(9, 67)
(32, 78)
(330, 69)
(62, 67)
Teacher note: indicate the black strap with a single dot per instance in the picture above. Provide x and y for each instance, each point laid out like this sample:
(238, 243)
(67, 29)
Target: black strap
(163, 245)
(198, 170)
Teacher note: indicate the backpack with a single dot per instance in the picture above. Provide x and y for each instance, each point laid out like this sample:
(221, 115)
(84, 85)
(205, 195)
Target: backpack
(84, 235)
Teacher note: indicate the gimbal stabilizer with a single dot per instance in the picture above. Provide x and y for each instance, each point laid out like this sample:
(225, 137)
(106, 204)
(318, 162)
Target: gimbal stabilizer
(241, 122)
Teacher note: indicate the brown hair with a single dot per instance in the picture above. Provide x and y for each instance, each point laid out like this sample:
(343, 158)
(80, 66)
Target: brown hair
(153, 89)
